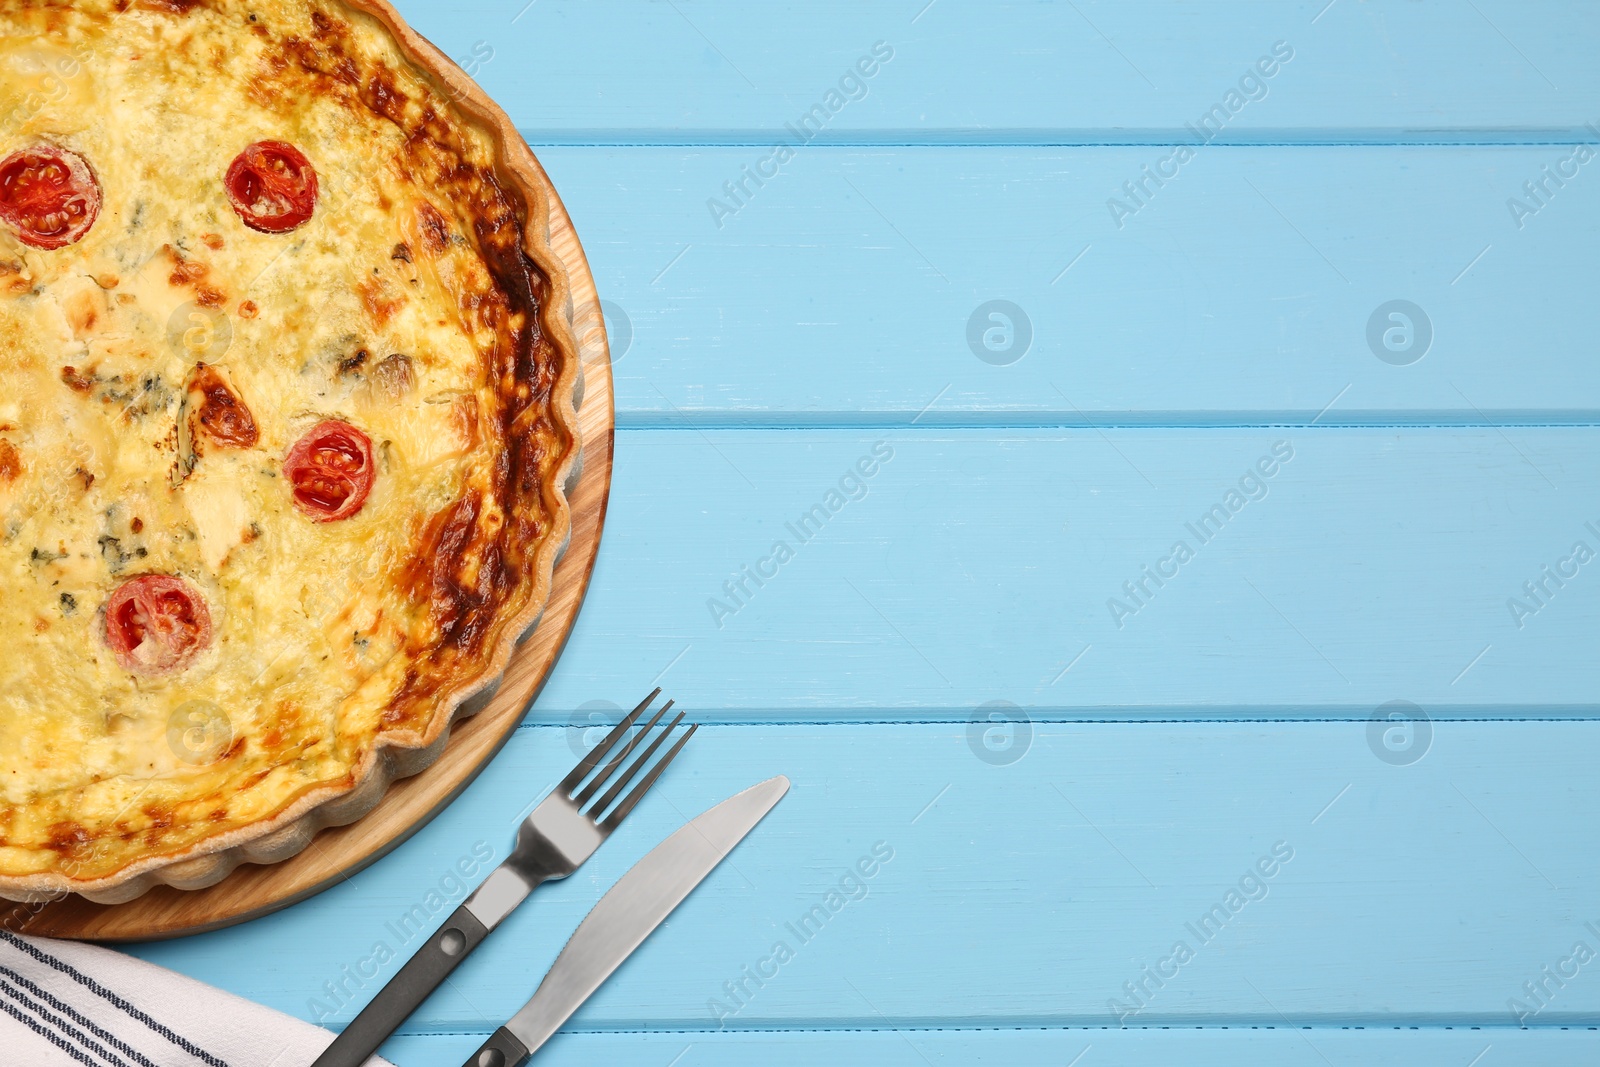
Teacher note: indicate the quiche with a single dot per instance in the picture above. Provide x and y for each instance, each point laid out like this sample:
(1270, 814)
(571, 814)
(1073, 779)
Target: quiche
(286, 418)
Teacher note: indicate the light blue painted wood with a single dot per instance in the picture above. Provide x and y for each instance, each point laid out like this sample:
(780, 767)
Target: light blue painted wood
(842, 290)
(1032, 1048)
(1085, 71)
(979, 565)
(830, 312)
(1027, 894)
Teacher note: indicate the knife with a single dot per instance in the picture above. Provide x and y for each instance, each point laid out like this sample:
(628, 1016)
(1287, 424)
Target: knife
(554, 840)
(625, 916)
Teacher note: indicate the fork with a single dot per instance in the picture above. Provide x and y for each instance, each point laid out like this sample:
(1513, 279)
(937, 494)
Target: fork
(552, 842)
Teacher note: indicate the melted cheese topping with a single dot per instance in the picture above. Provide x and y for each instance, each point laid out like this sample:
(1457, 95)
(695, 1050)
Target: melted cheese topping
(392, 309)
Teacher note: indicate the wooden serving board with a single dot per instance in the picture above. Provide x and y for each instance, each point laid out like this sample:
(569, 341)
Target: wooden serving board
(336, 853)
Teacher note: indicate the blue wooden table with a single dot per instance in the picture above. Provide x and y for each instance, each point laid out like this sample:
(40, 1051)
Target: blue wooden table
(1134, 467)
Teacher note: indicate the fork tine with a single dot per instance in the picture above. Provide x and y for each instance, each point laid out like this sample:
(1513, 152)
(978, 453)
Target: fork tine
(622, 782)
(598, 753)
(616, 761)
(632, 799)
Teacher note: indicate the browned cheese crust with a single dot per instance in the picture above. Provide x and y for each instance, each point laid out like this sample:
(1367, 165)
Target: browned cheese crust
(155, 375)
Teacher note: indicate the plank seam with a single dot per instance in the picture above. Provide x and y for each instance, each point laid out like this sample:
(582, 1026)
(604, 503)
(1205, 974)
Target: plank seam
(1066, 720)
(734, 1032)
(842, 421)
(1057, 720)
(1156, 139)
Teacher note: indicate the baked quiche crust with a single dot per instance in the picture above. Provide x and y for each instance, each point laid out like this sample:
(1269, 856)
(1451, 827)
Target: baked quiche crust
(287, 385)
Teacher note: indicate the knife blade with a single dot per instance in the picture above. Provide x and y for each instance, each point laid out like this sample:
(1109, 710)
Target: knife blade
(554, 839)
(625, 916)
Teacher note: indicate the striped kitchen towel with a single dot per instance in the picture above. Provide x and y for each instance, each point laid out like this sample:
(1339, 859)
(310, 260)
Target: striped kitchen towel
(64, 1004)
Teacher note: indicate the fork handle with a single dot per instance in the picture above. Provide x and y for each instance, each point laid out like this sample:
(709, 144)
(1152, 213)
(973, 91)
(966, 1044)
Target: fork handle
(405, 992)
(503, 1049)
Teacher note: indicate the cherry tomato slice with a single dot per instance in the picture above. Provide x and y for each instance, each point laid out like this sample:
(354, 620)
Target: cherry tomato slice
(48, 196)
(156, 624)
(272, 186)
(330, 471)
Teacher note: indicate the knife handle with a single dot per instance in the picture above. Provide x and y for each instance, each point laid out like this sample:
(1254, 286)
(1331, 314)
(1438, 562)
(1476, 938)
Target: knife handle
(421, 975)
(501, 1050)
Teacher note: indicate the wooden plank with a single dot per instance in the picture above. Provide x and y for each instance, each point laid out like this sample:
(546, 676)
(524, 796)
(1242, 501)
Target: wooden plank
(707, 70)
(1397, 1047)
(1022, 895)
(1025, 894)
(1241, 292)
(980, 565)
